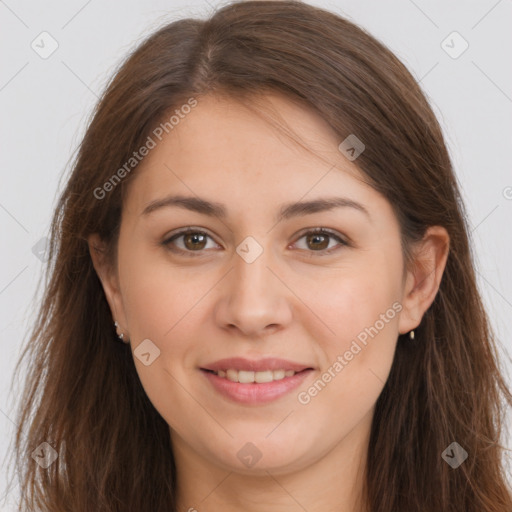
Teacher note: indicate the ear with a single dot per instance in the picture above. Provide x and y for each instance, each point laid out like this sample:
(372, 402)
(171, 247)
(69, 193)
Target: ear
(109, 280)
(424, 278)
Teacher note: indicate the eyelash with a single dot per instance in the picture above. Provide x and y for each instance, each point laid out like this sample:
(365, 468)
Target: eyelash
(322, 231)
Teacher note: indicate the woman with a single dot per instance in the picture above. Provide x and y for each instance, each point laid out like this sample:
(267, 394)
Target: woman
(261, 294)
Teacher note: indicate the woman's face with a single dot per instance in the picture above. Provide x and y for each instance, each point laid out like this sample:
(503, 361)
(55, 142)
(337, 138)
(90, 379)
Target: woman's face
(250, 284)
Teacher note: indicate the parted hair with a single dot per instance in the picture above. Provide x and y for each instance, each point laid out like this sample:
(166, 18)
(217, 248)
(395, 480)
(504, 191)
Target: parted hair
(82, 394)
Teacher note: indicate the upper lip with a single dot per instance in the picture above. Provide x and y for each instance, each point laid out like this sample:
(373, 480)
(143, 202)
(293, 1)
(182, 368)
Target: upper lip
(258, 365)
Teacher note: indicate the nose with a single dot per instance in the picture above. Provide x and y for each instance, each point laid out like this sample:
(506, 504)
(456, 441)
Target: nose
(254, 299)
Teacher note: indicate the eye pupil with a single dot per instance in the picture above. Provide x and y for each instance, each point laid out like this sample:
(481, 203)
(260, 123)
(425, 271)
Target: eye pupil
(194, 237)
(195, 241)
(316, 236)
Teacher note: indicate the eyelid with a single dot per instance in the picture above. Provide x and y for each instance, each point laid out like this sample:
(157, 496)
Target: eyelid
(181, 232)
(342, 240)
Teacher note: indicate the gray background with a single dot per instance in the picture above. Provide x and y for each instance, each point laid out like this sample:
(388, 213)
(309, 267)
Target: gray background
(45, 103)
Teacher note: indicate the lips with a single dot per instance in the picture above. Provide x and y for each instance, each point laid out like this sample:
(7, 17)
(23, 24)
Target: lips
(255, 382)
(255, 393)
(260, 365)
(248, 377)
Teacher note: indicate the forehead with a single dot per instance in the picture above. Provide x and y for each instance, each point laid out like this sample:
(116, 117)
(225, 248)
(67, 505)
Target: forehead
(225, 149)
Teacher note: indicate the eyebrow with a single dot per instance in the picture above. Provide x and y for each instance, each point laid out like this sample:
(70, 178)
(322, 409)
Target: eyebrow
(287, 211)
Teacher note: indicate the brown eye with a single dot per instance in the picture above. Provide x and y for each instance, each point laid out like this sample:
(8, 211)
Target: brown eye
(318, 240)
(192, 241)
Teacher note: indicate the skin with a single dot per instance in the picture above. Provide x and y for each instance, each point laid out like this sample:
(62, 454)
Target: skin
(290, 302)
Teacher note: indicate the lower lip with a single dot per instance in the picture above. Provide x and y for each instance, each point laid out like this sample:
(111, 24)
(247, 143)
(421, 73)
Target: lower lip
(256, 393)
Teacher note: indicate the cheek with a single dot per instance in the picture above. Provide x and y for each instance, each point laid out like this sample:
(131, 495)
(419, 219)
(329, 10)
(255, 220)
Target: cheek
(357, 362)
(162, 304)
(351, 304)
(164, 315)
(362, 311)
(156, 295)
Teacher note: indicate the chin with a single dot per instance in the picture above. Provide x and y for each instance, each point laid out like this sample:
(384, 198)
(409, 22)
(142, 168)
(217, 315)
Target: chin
(260, 454)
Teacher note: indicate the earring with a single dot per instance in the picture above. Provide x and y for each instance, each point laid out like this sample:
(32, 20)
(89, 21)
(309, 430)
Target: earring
(120, 336)
(411, 334)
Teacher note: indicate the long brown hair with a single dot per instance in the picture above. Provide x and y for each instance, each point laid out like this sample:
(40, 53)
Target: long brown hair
(83, 396)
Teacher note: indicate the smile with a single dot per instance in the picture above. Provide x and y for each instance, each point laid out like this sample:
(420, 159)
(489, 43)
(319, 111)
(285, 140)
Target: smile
(253, 388)
(248, 377)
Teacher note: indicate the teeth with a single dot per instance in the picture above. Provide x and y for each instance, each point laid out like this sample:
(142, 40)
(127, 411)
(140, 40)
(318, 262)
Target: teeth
(266, 376)
(281, 374)
(232, 375)
(247, 377)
